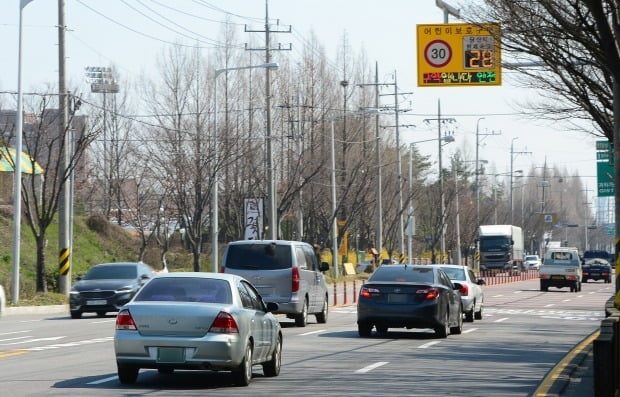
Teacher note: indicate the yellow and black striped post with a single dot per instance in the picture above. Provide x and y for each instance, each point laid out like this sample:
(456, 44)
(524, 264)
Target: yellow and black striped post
(64, 261)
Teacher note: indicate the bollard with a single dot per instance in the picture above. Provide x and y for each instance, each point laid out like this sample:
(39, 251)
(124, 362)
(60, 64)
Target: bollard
(354, 292)
(344, 283)
(335, 295)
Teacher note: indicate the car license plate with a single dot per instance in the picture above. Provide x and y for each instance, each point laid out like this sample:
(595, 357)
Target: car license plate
(397, 298)
(557, 277)
(594, 274)
(170, 355)
(97, 302)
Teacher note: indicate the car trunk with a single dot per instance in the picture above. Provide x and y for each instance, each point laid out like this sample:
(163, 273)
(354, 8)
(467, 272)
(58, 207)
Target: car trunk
(183, 319)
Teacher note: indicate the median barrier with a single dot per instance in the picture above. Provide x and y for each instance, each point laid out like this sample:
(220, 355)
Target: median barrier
(606, 354)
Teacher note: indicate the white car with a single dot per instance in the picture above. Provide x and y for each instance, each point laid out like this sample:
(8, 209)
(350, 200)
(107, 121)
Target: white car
(472, 295)
(531, 262)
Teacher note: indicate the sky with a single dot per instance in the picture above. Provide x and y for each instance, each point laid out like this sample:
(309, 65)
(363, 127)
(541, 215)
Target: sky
(129, 34)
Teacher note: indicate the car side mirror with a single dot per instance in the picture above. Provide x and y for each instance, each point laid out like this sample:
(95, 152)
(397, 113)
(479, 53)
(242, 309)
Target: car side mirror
(457, 286)
(324, 266)
(272, 307)
(481, 282)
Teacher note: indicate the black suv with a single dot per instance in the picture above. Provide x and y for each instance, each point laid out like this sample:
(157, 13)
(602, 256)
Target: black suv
(596, 266)
(107, 286)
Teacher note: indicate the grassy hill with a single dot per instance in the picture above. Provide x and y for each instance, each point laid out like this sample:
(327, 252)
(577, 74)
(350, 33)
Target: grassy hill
(98, 243)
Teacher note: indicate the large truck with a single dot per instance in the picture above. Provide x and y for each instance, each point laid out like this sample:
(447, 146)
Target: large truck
(500, 247)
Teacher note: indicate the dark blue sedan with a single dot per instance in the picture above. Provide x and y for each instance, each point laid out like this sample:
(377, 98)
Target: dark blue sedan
(409, 296)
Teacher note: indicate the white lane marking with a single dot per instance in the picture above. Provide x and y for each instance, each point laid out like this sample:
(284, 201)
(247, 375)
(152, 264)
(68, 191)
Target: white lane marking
(18, 337)
(498, 296)
(516, 292)
(78, 343)
(113, 320)
(565, 300)
(104, 380)
(499, 320)
(311, 332)
(14, 332)
(469, 330)
(580, 296)
(35, 340)
(370, 367)
(549, 305)
(429, 344)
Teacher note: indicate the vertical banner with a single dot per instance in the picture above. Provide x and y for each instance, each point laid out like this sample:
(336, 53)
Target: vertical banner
(253, 212)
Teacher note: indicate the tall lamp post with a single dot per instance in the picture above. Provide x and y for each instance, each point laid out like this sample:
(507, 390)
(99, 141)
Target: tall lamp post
(214, 203)
(410, 213)
(17, 168)
(477, 177)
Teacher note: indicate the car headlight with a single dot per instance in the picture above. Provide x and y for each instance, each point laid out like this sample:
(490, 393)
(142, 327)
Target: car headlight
(125, 290)
(74, 293)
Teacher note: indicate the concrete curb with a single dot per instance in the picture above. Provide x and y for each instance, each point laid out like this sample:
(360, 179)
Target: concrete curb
(46, 309)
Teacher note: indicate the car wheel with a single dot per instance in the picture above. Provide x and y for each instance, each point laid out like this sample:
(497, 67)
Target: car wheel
(459, 323)
(469, 315)
(101, 314)
(321, 317)
(585, 280)
(76, 314)
(364, 329)
(478, 314)
(442, 330)
(382, 330)
(243, 374)
(301, 319)
(272, 367)
(127, 374)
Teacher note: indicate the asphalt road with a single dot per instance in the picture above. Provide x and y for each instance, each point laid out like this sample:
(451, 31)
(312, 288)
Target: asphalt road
(523, 334)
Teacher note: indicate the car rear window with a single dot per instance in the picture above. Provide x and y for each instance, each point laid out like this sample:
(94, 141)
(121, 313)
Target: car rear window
(186, 289)
(403, 274)
(258, 257)
(112, 272)
(454, 273)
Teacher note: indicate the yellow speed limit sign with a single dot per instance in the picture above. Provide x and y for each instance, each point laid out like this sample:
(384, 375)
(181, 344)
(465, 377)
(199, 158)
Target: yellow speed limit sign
(454, 54)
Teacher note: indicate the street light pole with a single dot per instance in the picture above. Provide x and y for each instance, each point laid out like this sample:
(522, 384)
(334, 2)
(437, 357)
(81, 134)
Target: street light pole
(215, 195)
(477, 172)
(334, 206)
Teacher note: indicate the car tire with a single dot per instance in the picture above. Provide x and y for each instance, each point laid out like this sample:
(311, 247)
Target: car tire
(442, 330)
(272, 367)
(243, 374)
(321, 317)
(478, 314)
(469, 315)
(75, 314)
(301, 319)
(585, 280)
(127, 374)
(364, 329)
(382, 330)
(459, 323)
(101, 314)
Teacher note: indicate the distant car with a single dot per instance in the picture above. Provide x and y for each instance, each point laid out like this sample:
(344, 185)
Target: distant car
(285, 272)
(531, 262)
(409, 296)
(364, 267)
(198, 321)
(596, 269)
(472, 296)
(107, 286)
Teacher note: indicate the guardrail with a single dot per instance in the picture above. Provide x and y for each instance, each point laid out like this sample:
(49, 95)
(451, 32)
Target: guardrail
(606, 350)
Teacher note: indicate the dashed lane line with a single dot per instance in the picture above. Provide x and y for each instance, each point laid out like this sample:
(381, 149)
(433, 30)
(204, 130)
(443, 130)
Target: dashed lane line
(371, 367)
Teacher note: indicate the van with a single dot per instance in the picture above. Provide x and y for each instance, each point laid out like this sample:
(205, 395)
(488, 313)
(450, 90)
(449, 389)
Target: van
(561, 267)
(284, 272)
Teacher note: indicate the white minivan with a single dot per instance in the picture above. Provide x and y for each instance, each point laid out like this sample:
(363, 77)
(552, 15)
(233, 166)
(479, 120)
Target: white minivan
(284, 272)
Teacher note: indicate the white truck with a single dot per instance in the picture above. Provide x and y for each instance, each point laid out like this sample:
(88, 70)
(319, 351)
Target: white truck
(500, 247)
(561, 268)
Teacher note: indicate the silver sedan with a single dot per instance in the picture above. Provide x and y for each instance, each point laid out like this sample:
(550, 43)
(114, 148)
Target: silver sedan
(472, 296)
(201, 321)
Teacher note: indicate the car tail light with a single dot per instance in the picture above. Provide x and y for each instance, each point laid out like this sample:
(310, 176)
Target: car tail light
(295, 279)
(605, 273)
(366, 292)
(224, 324)
(571, 277)
(124, 321)
(586, 273)
(464, 290)
(544, 276)
(222, 269)
(429, 293)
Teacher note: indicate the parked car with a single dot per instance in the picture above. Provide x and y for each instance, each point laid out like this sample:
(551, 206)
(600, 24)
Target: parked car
(472, 296)
(285, 272)
(596, 269)
(531, 262)
(197, 321)
(409, 296)
(107, 286)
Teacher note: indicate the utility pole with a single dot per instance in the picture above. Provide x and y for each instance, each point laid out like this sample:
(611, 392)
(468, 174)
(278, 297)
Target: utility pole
(442, 215)
(64, 207)
(272, 212)
(512, 154)
(586, 218)
(477, 173)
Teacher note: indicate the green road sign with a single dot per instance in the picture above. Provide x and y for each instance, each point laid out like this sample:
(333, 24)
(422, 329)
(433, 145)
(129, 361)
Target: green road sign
(605, 179)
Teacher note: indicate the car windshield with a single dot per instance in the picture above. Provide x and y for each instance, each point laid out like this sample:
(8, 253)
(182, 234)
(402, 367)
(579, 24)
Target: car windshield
(531, 258)
(403, 274)
(112, 272)
(489, 243)
(454, 273)
(186, 289)
(258, 256)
